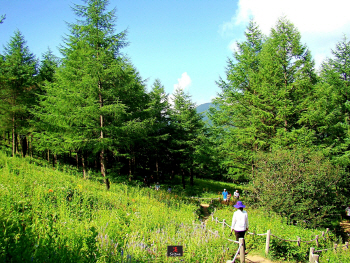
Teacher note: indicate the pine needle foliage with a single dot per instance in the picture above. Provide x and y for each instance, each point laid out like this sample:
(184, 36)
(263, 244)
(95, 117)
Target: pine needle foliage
(89, 102)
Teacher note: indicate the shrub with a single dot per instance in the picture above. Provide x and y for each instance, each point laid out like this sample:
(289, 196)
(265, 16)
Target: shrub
(299, 184)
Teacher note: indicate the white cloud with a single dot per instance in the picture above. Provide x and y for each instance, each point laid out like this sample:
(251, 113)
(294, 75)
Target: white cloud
(233, 45)
(321, 23)
(307, 15)
(183, 82)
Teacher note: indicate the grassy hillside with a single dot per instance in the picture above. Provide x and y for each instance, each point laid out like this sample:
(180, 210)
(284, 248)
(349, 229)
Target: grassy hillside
(48, 215)
(51, 216)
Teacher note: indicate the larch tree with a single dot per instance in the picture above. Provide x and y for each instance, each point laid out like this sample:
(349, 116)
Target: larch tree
(232, 132)
(48, 141)
(88, 101)
(329, 110)
(158, 138)
(17, 92)
(329, 114)
(265, 96)
(286, 80)
(187, 126)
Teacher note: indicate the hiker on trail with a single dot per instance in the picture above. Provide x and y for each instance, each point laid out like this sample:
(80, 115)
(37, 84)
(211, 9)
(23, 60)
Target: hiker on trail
(347, 210)
(229, 197)
(145, 181)
(224, 195)
(236, 195)
(239, 221)
(169, 189)
(157, 186)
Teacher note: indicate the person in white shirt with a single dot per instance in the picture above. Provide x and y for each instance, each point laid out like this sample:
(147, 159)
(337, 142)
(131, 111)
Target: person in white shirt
(347, 211)
(239, 221)
(236, 195)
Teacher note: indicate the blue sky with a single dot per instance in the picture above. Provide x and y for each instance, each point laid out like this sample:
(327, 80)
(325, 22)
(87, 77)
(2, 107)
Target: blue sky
(181, 42)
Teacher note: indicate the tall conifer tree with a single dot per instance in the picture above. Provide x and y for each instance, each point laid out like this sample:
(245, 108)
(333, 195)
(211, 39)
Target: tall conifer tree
(87, 101)
(158, 137)
(234, 136)
(265, 96)
(17, 92)
(329, 110)
(187, 125)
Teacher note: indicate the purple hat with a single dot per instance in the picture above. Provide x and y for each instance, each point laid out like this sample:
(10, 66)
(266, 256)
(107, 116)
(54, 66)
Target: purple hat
(239, 205)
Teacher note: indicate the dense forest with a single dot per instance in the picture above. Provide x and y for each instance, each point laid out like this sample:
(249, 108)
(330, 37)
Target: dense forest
(277, 125)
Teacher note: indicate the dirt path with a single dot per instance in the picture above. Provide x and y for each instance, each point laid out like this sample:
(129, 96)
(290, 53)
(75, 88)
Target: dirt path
(206, 212)
(249, 258)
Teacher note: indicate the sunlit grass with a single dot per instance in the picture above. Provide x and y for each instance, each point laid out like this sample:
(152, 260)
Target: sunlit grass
(49, 215)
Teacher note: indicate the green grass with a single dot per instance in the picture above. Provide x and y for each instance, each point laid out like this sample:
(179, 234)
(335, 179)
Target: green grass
(49, 215)
(261, 221)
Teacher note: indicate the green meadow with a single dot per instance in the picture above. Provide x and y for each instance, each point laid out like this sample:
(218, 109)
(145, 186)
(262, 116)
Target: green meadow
(53, 215)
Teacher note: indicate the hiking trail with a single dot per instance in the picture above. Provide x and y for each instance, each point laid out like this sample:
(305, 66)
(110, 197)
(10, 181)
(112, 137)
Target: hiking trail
(249, 258)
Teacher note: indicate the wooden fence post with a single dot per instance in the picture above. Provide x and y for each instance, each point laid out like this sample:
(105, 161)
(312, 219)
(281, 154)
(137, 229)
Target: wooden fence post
(335, 247)
(267, 242)
(299, 241)
(316, 241)
(311, 254)
(223, 224)
(346, 245)
(323, 236)
(315, 258)
(242, 250)
(216, 220)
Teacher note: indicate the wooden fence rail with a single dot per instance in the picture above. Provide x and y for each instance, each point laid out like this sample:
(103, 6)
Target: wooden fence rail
(312, 257)
(240, 250)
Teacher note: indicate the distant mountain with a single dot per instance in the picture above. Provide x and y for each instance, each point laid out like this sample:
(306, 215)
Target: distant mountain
(203, 108)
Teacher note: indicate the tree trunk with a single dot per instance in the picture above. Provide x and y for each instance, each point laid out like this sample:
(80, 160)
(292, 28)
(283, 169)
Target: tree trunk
(48, 155)
(130, 174)
(24, 146)
(83, 164)
(103, 171)
(191, 177)
(16, 143)
(102, 160)
(13, 135)
(96, 162)
(77, 160)
(54, 160)
(31, 146)
(183, 179)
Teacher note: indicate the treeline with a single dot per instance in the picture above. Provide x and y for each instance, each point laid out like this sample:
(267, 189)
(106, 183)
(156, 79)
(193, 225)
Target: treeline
(284, 127)
(277, 122)
(91, 106)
